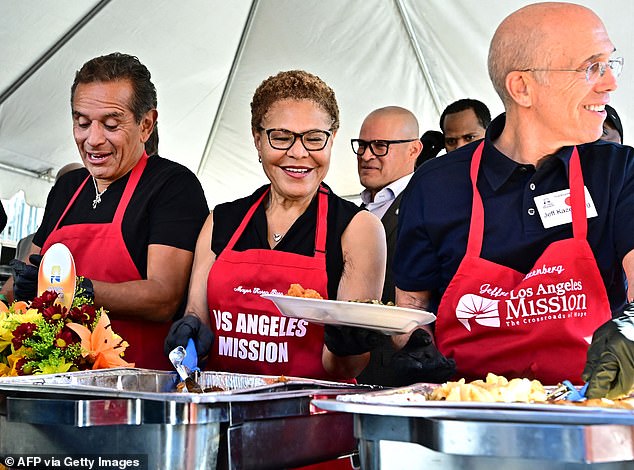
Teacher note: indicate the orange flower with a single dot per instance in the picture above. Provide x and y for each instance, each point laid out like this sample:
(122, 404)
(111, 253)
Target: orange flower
(20, 306)
(101, 346)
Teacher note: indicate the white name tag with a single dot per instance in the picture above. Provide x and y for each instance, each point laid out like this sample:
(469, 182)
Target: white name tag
(554, 208)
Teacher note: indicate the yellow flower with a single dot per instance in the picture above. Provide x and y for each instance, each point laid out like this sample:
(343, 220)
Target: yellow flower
(52, 368)
(4, 370)
(14, 359)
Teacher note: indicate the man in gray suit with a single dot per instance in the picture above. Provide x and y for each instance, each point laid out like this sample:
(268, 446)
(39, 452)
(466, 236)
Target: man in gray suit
(386, 150)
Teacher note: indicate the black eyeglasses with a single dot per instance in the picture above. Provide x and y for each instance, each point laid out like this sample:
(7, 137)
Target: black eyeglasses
(593, 71)
(379, 148)
(283, 139)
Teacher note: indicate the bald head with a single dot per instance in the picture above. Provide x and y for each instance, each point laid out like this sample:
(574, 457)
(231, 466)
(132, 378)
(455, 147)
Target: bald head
(66, 169)
(534, 36)
(399, 119)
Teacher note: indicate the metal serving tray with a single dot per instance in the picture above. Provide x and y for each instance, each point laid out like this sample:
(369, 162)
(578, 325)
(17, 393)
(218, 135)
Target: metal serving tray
(396, 430)
(139, 411)
(158, 385)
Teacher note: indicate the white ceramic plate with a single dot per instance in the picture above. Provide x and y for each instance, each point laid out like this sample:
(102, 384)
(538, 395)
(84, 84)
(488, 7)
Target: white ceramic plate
(390, 320)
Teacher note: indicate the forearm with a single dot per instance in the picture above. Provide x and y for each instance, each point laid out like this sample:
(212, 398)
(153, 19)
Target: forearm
(345, 367)
(417, 300)
(138, 300)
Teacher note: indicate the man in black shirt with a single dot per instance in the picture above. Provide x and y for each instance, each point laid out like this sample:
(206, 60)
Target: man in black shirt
(130, 221)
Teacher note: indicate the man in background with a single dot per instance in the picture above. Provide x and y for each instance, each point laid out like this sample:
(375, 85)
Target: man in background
(386, 150)
(464, 121)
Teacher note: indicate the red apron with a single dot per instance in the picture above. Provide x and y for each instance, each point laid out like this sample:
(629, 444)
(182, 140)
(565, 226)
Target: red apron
(251, 336)
(535, 325)
(100, 254)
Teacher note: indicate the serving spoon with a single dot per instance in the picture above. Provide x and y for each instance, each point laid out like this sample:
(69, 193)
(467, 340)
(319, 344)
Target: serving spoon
(176, 357)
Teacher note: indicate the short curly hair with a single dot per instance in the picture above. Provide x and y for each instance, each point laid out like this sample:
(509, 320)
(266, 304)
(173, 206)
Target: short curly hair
(293, 85)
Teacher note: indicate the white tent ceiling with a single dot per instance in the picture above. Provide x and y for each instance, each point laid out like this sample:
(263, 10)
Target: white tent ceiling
(208, 56)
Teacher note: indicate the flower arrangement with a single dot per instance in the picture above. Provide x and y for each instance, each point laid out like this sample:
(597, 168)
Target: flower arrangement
(44, 337)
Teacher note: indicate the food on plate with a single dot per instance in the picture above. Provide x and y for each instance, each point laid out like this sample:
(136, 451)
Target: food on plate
(374, 302)
(495, 388)
(296, 290)
(622, 403)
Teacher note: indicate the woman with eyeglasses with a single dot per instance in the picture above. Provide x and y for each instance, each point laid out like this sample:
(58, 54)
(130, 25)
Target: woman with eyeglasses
(293, 230)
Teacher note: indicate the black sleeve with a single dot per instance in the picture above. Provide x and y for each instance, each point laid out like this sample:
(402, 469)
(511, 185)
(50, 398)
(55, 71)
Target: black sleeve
(178, 212)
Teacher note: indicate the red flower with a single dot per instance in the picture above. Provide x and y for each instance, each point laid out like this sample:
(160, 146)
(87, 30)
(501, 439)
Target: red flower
(19, 366)
(45, 300)
(65, 338)
(54, 313)
(21, 333)
(84, 315)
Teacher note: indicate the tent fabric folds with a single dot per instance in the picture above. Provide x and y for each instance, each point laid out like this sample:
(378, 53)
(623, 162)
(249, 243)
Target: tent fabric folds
(208, 56)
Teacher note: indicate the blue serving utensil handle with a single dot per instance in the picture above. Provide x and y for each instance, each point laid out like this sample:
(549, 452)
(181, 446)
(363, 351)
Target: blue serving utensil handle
(191, 356)
(574, 394)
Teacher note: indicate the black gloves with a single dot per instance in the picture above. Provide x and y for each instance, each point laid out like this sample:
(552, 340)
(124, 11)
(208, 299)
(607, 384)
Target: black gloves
(420, 361)
(187, 327)
(609, 368)
(85, 289)
(350, 341)
(25, 277)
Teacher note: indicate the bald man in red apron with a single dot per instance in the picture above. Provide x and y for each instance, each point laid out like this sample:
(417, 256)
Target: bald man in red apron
(525, 235)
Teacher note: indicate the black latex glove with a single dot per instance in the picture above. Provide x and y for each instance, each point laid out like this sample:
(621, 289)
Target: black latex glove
(85, 288)
(187, 327)
(609, 368)
(350, 341)
(420, 361)
(25, 277)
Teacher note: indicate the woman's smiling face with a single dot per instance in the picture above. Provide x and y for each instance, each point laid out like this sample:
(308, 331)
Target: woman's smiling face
(294, 173)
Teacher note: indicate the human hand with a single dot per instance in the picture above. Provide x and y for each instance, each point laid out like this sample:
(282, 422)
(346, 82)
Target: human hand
(609, 368)
(187, 327)
(351, 341)
(420, 361)
(25, 277)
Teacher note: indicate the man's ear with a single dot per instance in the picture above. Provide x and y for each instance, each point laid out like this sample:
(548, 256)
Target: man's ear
(518, 86)
(148, 121)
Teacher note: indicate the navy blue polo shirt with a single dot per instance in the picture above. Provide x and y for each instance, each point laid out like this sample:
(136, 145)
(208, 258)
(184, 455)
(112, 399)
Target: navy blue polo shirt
(436, 210)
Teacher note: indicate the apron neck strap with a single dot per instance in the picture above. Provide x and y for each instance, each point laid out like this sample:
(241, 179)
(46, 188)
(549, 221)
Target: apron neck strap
(130, 186)
(322, 223)
(577, 202)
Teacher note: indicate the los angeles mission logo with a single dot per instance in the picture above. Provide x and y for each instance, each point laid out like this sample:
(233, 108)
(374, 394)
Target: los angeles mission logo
(494, 307)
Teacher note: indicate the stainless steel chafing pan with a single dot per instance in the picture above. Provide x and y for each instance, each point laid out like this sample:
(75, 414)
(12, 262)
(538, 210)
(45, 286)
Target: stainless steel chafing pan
(139, 411)
(397, 431)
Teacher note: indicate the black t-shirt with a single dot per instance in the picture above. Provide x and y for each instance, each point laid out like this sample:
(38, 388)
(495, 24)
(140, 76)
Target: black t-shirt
(168, 207)
(299, 239)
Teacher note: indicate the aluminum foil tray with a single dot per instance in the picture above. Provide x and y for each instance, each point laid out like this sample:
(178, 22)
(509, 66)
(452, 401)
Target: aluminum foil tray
(161, 385)
(411, 402)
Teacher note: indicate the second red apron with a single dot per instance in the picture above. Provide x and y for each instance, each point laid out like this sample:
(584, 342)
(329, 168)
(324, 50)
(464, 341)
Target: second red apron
(251, 335)
(100, 254)
(537, 325)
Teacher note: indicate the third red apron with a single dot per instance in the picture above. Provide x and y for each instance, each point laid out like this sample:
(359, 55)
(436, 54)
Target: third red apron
(535, 325)
(251, 335)
(100, 254)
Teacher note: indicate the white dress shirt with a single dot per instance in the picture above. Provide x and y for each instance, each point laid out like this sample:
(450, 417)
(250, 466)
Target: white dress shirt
(385, 197)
